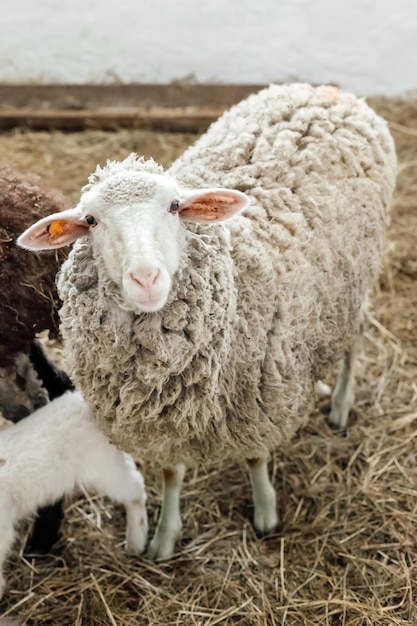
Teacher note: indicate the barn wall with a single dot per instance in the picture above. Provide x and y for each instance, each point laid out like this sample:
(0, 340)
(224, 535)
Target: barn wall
(366, 46)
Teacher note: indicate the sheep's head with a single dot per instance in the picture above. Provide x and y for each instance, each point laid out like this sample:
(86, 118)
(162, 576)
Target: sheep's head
(136, 216)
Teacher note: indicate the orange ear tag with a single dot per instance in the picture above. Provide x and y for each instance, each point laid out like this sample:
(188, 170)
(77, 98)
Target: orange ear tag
(57, 228)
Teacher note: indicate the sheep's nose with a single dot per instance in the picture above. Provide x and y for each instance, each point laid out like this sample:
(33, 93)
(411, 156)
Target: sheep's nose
(145, 278)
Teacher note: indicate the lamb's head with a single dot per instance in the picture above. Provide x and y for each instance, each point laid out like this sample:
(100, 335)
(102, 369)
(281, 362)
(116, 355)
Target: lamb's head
(136, 217)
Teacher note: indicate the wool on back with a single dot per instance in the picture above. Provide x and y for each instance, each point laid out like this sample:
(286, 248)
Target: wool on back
(262, 305)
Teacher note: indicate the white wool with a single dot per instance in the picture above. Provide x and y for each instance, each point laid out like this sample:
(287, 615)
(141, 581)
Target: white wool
(261, 306)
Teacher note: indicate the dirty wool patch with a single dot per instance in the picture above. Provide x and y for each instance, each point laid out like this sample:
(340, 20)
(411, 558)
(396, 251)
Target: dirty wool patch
(346, 551)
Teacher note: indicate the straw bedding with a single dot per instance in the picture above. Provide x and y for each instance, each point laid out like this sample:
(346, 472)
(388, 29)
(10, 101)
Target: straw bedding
(346, 554)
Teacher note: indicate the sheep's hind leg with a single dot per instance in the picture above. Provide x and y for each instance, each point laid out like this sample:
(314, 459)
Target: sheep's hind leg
(265, 517)
(169, 524)
(344, 395)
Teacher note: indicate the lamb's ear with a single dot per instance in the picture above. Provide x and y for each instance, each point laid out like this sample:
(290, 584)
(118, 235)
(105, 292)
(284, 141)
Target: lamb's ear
(212, 205)
(55, 231)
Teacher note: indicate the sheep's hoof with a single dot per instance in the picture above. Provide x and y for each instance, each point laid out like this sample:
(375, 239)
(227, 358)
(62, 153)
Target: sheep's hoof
(266, 522)
(337, 430)
(162, 546)
(338, 417)
(161, 551)
(342, 402)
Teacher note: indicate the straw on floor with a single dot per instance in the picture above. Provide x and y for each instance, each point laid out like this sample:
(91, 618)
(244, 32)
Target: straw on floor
(346, 552)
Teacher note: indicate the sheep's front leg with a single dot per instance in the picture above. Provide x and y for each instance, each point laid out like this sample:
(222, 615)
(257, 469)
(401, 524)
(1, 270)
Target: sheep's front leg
(169, 525)
(264, 496)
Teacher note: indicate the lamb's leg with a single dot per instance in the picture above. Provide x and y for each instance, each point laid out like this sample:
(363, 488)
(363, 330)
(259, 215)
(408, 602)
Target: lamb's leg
(6, 540)
(122, 482)
(343, 395)
(136, 516)
(169, 525)
(264, 496)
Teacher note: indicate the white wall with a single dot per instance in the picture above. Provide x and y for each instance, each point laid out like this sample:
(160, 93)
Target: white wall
(366, 46)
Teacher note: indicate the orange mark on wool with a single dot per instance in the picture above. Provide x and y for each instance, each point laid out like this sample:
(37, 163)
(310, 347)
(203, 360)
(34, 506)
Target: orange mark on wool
(57, 228)
(328, 91)
(334, 93)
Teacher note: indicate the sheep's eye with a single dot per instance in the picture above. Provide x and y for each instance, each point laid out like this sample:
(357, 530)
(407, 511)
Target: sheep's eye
(91, 221)
(175, 205)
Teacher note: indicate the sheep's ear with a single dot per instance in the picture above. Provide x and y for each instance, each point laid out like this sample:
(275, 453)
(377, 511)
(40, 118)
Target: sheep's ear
(212, 205)
(57, 230)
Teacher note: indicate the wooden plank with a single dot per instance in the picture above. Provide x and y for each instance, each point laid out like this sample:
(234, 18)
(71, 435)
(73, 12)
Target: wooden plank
(177, 94)
(186, 119)
(180, 107)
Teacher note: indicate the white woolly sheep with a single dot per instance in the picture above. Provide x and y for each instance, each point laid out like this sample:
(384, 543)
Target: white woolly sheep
(198, 340)
(28, 305)
(55, 450)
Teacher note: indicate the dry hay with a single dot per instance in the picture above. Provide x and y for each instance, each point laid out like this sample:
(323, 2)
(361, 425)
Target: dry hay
(346, 554)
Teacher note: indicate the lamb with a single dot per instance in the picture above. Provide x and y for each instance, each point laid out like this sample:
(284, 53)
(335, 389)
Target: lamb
(198, 337)
(28, 305)
(53, 451)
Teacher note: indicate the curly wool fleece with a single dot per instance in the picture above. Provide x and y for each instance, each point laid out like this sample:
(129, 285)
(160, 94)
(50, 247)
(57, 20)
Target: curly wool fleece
(263, 304)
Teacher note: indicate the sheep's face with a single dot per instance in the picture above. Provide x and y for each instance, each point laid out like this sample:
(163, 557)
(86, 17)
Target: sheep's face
(136, 219)
(138, 235)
